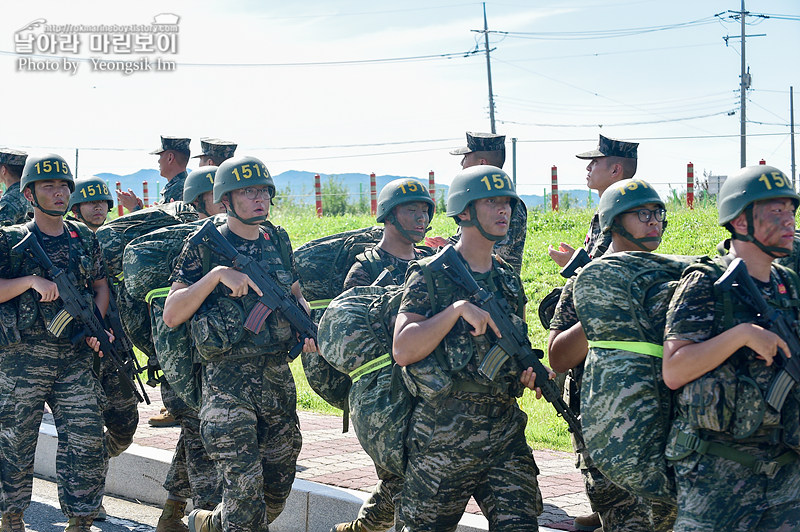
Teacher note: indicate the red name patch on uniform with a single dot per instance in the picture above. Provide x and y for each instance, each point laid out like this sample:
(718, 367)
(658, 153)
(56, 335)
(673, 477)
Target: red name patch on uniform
(73, 234)
(781, 288)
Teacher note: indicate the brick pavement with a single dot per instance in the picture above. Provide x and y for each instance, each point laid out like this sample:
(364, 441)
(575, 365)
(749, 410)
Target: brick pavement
(336, 459)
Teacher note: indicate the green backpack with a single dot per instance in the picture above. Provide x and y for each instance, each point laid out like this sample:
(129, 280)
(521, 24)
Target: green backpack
(622, 301)
(355, 338)
(113, 237)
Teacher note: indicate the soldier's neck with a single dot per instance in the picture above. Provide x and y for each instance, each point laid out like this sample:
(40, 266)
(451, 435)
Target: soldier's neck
(397, 246)
(759, 264)
(476, 250)
(48, 224)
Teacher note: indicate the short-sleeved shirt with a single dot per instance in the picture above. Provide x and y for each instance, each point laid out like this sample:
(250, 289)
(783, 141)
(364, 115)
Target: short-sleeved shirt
(360, 275)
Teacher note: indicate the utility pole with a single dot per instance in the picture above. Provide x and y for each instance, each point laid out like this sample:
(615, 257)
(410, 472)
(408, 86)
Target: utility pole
(489, 68)
(791, 132)
(743, 86)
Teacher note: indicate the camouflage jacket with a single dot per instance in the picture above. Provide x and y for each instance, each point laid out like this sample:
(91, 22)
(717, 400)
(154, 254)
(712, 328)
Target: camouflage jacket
(729, 400)
(459, 355)
(14, 208)
(217, 327)
(596, 242)
(376, 259)
(173, 190)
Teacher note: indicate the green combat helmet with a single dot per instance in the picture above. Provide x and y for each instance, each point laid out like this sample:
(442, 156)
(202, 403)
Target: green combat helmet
(402, 191)
(474, 183)
(43, 168)
(86, 190)
(621, 197)
(242, 172)
(198, 183)
(745, 187)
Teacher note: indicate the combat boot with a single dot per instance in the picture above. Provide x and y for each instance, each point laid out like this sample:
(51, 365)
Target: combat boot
(164, 419)
(12, 522)
(80, 524)
(587, 523)
(352, 526)
(200, 521)
(170, 520)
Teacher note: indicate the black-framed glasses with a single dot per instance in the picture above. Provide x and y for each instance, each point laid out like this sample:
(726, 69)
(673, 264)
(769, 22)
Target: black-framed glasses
(646, 214)
(252, 193)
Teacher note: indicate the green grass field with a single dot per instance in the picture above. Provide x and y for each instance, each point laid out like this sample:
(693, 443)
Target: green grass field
(690, 232)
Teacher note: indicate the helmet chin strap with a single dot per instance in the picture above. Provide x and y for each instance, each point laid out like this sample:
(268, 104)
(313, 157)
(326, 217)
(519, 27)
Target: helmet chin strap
(411, 236)
(255, 220)
(639, 242)
(750, 237)
(473, 222)
(200, 206)
(46, 211)
(89, 224)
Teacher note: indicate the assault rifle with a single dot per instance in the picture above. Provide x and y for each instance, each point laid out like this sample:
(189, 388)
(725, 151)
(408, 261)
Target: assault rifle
(274, 298)
(121, 341)
(77, 308)
(514, 342)
(772, 320)
(579, 259)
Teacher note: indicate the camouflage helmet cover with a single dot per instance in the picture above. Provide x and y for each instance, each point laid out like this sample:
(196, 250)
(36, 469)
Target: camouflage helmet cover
(241, 172)
(478, 182)
(90, 189)
(198, 182)
(623, 196)
(751, 184)
(402, 191)
(45, 167)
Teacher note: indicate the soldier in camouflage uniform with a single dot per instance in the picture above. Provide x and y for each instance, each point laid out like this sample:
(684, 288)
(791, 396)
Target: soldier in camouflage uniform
(14, 208)
(192, 472)
(43, 368)
(488, 148)
(405, 208)
(467, 434)
(173, 157)
(248, 419)
(633, 217)
(612, 161)
(90, 203)
(215, 151)
(735, 456)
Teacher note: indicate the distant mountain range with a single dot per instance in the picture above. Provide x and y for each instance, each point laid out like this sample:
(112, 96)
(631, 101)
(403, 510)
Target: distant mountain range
(300, 184)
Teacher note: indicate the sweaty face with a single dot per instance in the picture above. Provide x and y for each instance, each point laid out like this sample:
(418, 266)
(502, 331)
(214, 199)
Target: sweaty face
(250, 208)
(651, 229)
(94, 212)
(600, 174)
(52, 194)
(494, 214)
(774, 222)
(413, 217)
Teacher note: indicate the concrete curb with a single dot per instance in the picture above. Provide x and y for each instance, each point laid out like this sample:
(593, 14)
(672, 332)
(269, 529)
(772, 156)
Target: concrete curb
(138, 473)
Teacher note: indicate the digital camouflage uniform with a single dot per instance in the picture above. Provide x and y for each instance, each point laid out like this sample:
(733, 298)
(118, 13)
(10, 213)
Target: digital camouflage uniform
(467, 434)
(44, 369)
(121, 412)
(619, 509)
(14, 208)
(378, 512)
(716, 493)
(173, 190)
(249, 422)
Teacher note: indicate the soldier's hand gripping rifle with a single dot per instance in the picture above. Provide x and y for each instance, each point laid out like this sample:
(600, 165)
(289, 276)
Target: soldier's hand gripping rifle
(275, 298)
(77, 308)
(513, 343)
(789, 375)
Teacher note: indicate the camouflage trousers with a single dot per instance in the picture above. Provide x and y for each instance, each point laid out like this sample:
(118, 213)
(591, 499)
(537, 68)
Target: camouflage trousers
(192, 474)
(32, 373)
(378, 512)
(120, 413)
(249, 426)
(469, 445)
(622, 511)
(719, 494)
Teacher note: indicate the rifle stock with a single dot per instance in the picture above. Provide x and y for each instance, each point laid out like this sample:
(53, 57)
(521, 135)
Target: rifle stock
(513, 343)
(789, 374)
(274, 296)
(75, 307)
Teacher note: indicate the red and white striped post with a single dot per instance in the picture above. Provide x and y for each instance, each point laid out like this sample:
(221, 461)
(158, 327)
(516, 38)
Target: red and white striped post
(554, 188)
(762, 161)
(690, 185)
(145, 194)
(373, 202)
(119, 205)
(318, 194)
(432, 185)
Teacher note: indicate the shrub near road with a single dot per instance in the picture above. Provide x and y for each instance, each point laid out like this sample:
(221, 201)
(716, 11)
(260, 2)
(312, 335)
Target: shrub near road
(690, 232)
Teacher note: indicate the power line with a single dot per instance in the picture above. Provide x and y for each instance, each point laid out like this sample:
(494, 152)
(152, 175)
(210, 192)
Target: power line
(605, 34)
(730, 112)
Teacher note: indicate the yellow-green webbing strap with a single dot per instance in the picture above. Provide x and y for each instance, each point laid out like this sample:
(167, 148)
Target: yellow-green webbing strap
(156, 292)
(643, 348)
(319, 303)
(373, 365)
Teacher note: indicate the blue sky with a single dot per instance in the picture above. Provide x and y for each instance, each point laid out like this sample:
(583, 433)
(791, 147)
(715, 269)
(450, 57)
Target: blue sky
(243, 74)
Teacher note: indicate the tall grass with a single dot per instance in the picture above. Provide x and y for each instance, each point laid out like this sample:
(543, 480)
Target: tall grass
(689, 232)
